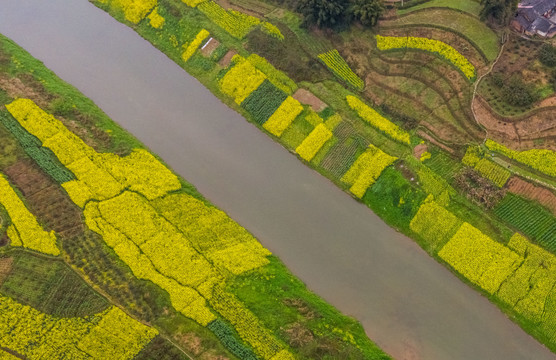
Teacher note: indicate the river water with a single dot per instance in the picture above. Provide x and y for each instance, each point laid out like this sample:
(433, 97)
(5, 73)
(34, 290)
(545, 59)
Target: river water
(409, 304)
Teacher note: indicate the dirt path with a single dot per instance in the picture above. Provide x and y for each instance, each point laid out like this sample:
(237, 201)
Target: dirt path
(477, 82)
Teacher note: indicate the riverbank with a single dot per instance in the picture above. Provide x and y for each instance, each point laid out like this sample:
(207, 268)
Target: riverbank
(295, 312)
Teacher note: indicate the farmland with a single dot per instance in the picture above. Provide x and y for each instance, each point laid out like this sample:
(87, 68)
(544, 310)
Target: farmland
(72, 255)
(421, 91)
(93, 210)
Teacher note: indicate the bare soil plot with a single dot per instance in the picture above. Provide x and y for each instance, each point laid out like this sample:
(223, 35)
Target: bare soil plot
(524, 188)
(46, 199)
(209, 47)
(308, 98)
(225, 61)
(6, 264)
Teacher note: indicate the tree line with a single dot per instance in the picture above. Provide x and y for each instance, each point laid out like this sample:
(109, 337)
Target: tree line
(338, 13)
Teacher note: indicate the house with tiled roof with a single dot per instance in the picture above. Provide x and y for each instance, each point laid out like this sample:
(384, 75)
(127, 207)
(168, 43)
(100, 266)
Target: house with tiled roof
(536, 17)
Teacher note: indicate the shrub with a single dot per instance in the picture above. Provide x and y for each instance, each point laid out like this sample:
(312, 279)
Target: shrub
(547, 55)
(478, 189)
(517, 93)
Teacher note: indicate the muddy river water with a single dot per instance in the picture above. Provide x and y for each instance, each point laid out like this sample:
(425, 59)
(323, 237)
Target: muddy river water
(413, 307)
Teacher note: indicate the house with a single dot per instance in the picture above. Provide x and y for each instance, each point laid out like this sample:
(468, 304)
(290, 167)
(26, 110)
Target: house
(536, 17)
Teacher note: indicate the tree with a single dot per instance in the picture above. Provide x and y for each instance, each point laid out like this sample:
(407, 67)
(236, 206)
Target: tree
(367, 11)
(323, 13)
(501, 12)
(547, 55)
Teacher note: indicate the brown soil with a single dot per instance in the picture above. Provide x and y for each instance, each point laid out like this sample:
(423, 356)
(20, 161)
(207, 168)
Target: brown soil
(524, 188)
(497, 128)
(191, 342)
(308, 98)
(225, 61)
(519, 133)
(5, 268)
(46, 199)
(426, 136)
(209, 47)
(15, 88)
(420, 150)
(550, 101)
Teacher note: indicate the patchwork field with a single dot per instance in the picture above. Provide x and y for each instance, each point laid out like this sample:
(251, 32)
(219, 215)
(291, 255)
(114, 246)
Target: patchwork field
(97, 233)
(108, 253)
(406, 88)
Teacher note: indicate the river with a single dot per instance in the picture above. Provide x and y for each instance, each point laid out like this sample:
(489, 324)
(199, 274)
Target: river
(410, 305)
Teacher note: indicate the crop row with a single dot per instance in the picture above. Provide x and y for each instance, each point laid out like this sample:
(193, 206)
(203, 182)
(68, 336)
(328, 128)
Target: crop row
(272, 30)
(521, 274)
(430, 45)
(191, 47)
(241, 80)
(533, 220)
(186, 257)
(98, 176)
(275, 76)
(366, 169)
(36, 335)
(33, 147)
(480, 259)
(336, 63)
(314, 142)
(492, 171)
(24, 229)
(250, 329)
(434, 223)
(378, 121)
(235, 23)
(283, 116)
(539, 159)
(264, 101)
(226, 337)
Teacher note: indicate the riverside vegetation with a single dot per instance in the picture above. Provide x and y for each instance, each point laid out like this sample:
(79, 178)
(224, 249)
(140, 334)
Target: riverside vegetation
(107, 253)
(396, 130)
